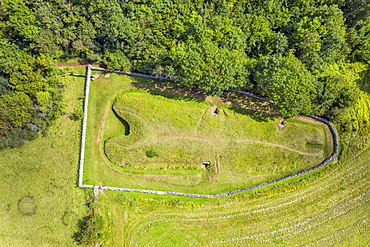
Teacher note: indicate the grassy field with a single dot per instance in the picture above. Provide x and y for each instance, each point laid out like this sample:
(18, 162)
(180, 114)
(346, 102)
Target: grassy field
(40, 204)
(327, 207)
(331, 208)
(149, 139)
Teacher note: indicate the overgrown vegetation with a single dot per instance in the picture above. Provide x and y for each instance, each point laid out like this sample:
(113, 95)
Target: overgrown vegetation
(40, 204)
(91, 226)
(305, 55)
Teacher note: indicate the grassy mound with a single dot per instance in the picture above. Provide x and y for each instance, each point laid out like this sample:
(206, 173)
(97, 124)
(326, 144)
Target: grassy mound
(168, 139)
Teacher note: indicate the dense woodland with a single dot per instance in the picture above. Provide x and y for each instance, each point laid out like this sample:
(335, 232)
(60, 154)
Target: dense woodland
(309, 56)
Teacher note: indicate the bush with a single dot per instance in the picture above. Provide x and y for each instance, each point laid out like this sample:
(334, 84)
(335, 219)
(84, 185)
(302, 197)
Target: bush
(151, 154)
(90, 229)
(16, 138)
(77, 114)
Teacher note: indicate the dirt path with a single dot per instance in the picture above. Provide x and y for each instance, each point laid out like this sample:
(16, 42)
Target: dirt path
(309, 120)
(201, 120)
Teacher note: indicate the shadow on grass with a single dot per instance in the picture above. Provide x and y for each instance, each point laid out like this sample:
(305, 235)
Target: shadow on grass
(256, 115)
(260, 116)
(149, 82)
(126, 124)
(177, 96)
(171, 91)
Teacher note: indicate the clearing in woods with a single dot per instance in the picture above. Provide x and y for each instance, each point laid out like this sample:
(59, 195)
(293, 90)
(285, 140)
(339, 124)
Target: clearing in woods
(142, 138)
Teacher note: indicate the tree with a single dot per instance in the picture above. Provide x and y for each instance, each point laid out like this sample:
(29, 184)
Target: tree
(306, 35)
(20, 23)
(359, 40)
(5, 88)
(25, 79)
(338, 89)
(45, 43)
(15, 108)
(210, 68)
(333, 43)
(117, 60)
(10, 56)
(287, 82)
(259, 36)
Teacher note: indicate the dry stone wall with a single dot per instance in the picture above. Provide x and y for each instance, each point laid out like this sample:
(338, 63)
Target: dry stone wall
(157, 192)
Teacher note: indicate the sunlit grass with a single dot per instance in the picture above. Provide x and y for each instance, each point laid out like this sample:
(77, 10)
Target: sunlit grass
(40, 204)
(136, 137)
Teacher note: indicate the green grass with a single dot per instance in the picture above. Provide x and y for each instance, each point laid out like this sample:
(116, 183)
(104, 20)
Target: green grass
(359, 114)
(127, 123)
(40, 204)
(327, 207)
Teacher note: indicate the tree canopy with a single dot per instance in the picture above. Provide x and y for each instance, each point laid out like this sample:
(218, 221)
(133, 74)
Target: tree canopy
(287, 82)
(298, 53)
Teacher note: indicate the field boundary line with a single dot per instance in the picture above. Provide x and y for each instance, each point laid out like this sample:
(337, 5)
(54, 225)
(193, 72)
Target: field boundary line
(332, 157)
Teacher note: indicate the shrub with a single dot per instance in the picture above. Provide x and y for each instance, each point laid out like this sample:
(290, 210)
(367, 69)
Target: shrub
(90, 229)
(151, 154)
(77, 114)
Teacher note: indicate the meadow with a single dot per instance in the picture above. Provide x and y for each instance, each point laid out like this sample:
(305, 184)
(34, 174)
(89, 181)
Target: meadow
(41, 205)
(329, 208)
(151, 139)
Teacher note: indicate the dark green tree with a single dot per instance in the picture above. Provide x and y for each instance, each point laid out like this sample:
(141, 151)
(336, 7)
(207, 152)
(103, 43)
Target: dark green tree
(287, 82)
(20, 21)
(210, 68)
(359, 40)
(117, 60)
(10, 56)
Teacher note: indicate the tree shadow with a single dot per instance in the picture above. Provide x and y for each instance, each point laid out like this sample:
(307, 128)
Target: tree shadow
(81, 224)
(169, 90)
(261, 116)
(256, 115)
(177, 96)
